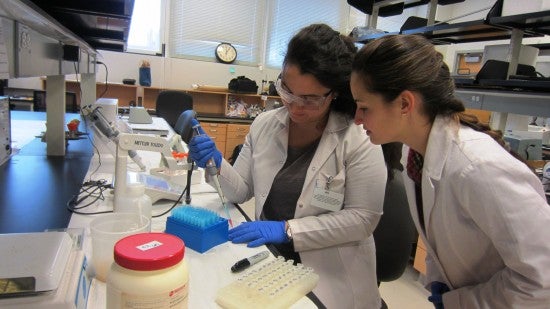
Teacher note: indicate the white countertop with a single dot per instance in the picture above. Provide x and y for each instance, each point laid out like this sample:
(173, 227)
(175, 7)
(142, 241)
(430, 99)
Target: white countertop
(208, 271)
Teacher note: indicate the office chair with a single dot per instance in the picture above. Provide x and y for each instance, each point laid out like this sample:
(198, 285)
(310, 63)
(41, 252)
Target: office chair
(235, 154)
(171, 103)
(395, 234)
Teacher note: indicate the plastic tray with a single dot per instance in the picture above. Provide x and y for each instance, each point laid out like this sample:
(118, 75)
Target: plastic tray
(199, 239)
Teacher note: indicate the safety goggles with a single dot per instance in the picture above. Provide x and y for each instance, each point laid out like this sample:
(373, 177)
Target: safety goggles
(307, 102)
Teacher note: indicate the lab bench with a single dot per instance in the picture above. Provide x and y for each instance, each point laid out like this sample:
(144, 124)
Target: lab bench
(35, 187)
(208, 271)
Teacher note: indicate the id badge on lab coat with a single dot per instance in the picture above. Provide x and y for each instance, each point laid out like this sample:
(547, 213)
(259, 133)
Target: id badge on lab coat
(326, 199)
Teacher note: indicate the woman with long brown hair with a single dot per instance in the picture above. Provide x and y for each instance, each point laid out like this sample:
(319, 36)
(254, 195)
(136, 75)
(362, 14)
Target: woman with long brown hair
(317, 181)
(481, 212)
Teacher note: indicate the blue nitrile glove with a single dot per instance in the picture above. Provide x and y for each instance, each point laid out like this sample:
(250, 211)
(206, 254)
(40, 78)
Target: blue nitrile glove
(202, 148)
(257, 233)
(438, 288)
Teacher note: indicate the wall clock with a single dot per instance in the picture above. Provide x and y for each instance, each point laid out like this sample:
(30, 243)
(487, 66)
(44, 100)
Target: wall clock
(226, 53)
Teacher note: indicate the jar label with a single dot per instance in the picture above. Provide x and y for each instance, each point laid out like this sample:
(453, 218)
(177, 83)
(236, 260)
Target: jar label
(177, 298)
(150, 245)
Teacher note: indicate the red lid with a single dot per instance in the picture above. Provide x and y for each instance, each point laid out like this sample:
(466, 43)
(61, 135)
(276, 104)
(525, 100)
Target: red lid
(149, 251)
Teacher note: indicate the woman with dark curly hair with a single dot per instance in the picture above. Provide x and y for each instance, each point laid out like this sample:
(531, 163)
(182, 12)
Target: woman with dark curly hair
(317, 180)
(481, 212)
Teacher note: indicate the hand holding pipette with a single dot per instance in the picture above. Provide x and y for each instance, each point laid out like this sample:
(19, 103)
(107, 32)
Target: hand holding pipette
(204, 152)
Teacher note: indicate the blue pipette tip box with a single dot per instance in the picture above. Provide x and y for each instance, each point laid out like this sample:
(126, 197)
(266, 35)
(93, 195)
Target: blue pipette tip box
(200, 239)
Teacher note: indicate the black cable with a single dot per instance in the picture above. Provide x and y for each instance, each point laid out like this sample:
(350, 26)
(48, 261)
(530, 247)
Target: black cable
(186, 191)
(188, 185)
(94, 190)
(89, 189)
(174, 205)
(106, 78)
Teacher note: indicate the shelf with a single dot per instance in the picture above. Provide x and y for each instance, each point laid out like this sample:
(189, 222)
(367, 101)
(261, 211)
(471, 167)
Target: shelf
(541, 46)
(102, 24)
(205, 102)
(29, 14)
(522, 103)
(497, 28)
(538, 21)
(392, 7)
(367, 38)
(466, 32)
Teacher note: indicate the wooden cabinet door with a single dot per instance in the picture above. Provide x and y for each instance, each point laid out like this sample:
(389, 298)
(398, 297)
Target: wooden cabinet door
(218, 133)
(236, 134)
(420, 257)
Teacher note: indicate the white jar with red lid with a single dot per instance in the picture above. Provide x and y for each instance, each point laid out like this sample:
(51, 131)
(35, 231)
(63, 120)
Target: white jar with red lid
(149, 271)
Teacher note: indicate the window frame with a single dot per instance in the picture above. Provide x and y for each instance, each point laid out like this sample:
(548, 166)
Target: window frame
(263, 47)
(159, 51)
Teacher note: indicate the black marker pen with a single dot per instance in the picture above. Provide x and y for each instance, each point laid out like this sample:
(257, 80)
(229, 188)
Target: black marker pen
(245, 263)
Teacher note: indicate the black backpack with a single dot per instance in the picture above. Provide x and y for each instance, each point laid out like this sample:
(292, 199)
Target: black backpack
(242, 84)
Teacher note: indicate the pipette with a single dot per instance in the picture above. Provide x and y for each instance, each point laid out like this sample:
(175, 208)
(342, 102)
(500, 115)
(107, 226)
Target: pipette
(212, 170)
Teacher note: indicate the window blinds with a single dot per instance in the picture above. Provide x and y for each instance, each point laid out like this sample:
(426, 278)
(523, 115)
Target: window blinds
(197, 27)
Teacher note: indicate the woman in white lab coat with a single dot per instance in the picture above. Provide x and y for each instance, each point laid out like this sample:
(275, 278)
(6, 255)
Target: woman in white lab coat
(481, 212)
(317, 180)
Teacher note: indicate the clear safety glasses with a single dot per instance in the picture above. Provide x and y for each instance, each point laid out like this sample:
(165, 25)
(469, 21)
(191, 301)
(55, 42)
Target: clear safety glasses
(307, 102)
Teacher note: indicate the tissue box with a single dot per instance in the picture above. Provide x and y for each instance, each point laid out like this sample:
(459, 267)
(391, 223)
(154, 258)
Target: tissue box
(198, 239)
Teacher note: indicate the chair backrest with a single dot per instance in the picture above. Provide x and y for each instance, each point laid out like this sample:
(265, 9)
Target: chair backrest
(171, 103)
(395, 233)
(235, 154)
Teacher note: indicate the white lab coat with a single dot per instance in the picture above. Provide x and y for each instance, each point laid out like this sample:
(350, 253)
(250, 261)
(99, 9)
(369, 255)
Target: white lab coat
(337, 245)
(487, 222)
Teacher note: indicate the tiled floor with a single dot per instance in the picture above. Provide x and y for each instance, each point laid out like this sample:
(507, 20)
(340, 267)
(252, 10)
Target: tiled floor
(406, 292)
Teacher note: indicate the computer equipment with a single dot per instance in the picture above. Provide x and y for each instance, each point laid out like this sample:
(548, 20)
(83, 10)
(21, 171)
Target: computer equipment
(526, 70)
(493, 74)
(528, 147)
(491, 70)
(108, 108)
(414, 22)
(530, 78)
(139, 114)
(539, 132)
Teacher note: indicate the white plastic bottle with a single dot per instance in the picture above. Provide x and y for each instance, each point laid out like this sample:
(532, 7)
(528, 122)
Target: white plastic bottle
(135, 200)
(149, 271)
